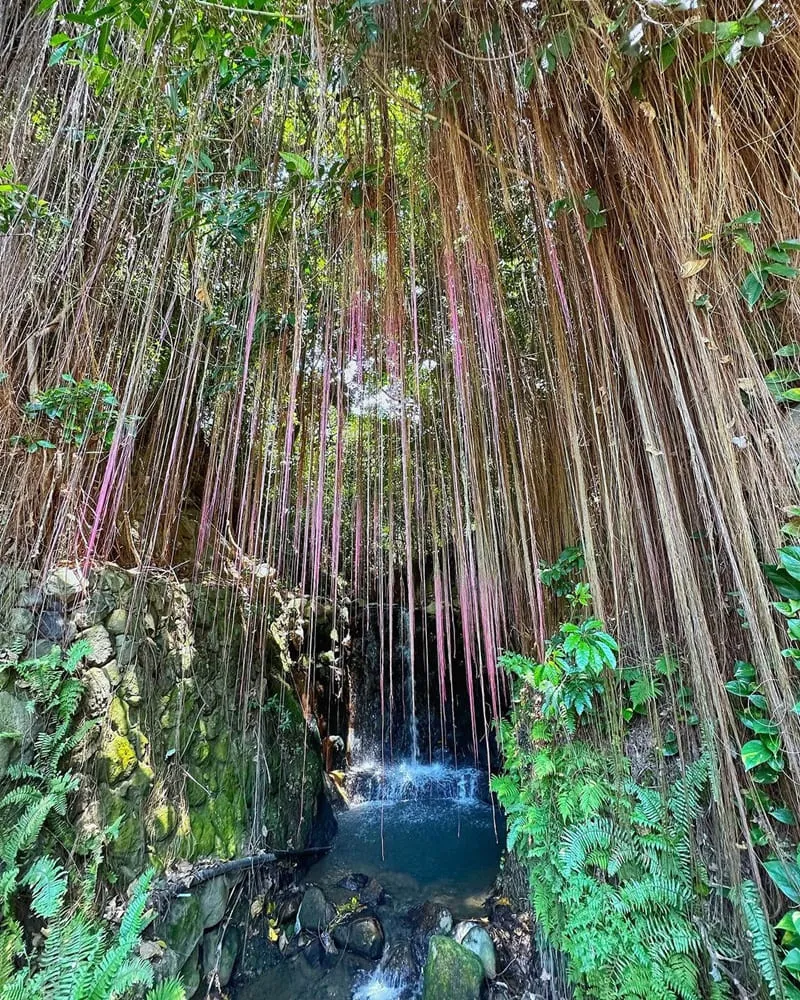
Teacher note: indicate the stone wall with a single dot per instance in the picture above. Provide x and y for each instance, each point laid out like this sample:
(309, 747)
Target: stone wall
(201, 747)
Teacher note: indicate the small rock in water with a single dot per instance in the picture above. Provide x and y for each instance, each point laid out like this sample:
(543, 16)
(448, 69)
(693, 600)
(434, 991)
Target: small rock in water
(353, 882)
(361, 934)
(315, 911)
(476, 939)
(451, 971)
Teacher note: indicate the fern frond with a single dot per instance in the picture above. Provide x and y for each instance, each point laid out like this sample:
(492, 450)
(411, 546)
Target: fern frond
(761, 937)
(169, 989)
(48, 883)
(578, 841)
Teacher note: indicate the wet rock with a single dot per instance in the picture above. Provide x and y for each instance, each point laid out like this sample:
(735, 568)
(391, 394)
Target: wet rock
(20, 620)
(213, 898)
(361, 934)
(117, 759)
(432, 918)
(427, 920)
(100, 648)
(39, 649)
(32, 598)
(476, 938)
(220, 949)
(451, 971)
(191, 973)
(399, 960)
(353, 882)
(14, 718)
(97, 692)
(315, 911)
(65, 583)
(93, 611)
(182, 927)
(163, 823)
(286, 911)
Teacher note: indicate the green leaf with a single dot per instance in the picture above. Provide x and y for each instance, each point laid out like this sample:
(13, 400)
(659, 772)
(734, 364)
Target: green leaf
(781, 270)
(297, 164)
(788, 351)
(785, 584)
(786, 876)
(752, 288)
(783, 814)
(754, 753)
(525, 74)
(792, 961)
(743, 240)
(667, 53)
(789, 556)
(748, 219)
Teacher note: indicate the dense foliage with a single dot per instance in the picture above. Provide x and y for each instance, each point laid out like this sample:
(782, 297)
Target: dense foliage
(47, 891)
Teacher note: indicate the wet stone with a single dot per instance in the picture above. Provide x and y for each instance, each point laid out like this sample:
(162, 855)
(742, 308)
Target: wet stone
(361, 934)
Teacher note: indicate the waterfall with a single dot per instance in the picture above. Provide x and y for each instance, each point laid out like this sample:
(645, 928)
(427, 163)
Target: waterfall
(406, 653)
(410, 781)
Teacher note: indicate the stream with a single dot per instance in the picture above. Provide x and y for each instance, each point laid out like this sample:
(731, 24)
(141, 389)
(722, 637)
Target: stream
(421, 833)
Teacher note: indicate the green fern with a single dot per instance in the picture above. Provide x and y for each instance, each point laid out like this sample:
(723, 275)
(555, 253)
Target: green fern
(169, 989)
(48, 884)
(761, 938)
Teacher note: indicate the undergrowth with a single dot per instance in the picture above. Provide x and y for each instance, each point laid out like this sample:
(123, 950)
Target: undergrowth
(616, 882)
(53, 943)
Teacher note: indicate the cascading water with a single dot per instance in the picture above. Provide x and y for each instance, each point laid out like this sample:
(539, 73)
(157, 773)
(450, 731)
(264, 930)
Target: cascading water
(407, 659)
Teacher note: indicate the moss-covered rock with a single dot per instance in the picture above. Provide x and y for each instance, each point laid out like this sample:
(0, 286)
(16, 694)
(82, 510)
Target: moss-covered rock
(182, 926)
(163, 821)
(451, 971)
(118, 716)
(117, 759)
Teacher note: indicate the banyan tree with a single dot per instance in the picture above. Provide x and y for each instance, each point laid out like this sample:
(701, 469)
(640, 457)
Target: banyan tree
(402, 299)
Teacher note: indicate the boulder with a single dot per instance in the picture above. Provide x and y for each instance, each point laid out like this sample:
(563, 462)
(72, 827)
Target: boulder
(100, 648)
(399, 961)
(315, 911)
(51, 624)
(97, 692)
(427, 920)
(117, 759)
(476, 938)
(117, 622)
(32, 598)
(362, 934)
(182, 927)
(191, 973)
(20, 620)
(451, 971)
(213, 897)
(65, 583)
(220, 950)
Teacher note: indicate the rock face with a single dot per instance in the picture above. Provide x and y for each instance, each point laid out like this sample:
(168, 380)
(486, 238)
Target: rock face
(361, 934)
(476, 938)
(16, 720)
(451, 971)
(175, 756)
